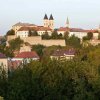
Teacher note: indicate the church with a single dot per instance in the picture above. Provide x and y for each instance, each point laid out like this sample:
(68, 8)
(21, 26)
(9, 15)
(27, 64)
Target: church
(22, 29)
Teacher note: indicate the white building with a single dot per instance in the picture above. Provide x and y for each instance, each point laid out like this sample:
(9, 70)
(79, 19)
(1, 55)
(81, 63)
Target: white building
(17, 26)
(24, 31)
(80, 33)
(26, 56)
(63, 54)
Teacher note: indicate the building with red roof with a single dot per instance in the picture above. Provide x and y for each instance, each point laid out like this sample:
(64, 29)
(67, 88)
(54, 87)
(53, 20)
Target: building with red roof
(26, 56)
(63, 54)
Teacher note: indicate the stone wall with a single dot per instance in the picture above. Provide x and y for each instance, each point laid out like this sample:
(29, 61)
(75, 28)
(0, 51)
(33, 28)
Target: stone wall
(37, 40)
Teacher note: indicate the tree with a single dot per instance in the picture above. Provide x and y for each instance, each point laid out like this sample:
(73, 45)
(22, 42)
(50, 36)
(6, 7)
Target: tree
(33, 33)
(54, 34)
(99, 36)
(73, 41)
(10, 32)
(85, 38)
(30, 33)
(16, 43)
(89, 35)
(66, 34)
(46, 36)
(39, 49)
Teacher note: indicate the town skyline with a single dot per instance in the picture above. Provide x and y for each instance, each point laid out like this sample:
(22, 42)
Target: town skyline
(81, 13)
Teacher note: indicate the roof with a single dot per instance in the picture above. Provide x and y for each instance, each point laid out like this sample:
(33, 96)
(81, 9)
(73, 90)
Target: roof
(51, 17)
(24, 24)
(64, 52)
(32, 54)
(75, 30)
(39, 28)
(45, 17)
(63, 29)
(44, 29)
(28, 28)
(2, 55)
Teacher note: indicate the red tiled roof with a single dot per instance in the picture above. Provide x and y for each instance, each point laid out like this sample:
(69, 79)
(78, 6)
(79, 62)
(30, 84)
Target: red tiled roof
(44, 29)
(63, 29)
(24, 24)
(32, 54)
(28, 28)
(75, 30)
(2, 55)
(39, 28)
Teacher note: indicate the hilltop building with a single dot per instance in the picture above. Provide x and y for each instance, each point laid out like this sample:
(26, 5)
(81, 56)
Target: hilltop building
(17, 26)
(78, 32)
(22, 29)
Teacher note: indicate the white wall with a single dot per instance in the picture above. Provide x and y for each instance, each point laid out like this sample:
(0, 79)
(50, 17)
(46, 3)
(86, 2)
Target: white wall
(78, 34)
(22, 34)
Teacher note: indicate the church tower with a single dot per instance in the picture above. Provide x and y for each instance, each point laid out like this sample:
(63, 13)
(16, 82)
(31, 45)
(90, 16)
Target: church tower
(51, 22)
(46, 21)
(67, 23)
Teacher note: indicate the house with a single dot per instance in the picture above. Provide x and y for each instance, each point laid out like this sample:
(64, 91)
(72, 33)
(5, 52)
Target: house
(42, 30)
(24, 31)
(26, 56)
(78, 32)
(63, 54)
(17, 26)
(3, 62)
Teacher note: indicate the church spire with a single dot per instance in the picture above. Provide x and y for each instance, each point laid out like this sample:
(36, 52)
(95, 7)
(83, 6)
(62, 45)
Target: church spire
(67, 23)
(45, 17)
(51, 17)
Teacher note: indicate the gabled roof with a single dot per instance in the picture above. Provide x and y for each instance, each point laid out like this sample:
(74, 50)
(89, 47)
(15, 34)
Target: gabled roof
(24, 24)
(2, 55)
(64, 52)
(51, 17)
(38, 28)
(28, 28)
(63, 29)
(44, 29)
(75, 30)
(45, 17)
(24, 55)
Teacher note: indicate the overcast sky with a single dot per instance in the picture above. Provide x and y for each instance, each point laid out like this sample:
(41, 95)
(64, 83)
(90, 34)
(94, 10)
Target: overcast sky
(81, 13)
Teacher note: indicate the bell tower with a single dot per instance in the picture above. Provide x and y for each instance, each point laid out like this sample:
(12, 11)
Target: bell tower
(51, 22)
(46, 21)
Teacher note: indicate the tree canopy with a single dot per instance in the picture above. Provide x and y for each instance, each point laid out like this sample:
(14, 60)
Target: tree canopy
(16, 43)
(10, 32)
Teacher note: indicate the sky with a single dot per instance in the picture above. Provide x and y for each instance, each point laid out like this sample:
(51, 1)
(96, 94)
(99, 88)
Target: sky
(81, 13)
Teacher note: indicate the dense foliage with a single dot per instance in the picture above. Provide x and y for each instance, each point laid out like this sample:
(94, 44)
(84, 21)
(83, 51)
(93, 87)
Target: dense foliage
(88, 37)
(39, 49)
(78, 79)
(16, 43)
(73, 41)
(10, 32)
(54, 35)
(33, 33)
